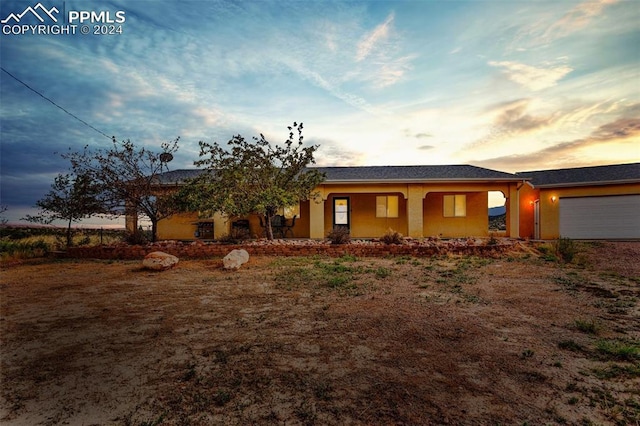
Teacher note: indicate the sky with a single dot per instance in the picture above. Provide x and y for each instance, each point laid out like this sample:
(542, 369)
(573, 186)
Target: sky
(506, 85)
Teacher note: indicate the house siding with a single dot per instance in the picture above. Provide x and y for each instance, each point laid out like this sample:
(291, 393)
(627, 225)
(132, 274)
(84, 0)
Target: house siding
(183, 226)
(550, 211)
(475, 223)
(363, 220)
(420, 210)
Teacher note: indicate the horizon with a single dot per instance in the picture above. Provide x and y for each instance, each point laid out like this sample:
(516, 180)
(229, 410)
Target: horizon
(505, 85)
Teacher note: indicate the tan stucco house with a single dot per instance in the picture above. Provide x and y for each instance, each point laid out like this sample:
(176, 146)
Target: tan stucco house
(418, 201)
(445, 201)
(601, 202)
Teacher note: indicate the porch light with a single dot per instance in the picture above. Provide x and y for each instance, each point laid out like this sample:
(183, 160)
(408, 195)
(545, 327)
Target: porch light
(553, 198)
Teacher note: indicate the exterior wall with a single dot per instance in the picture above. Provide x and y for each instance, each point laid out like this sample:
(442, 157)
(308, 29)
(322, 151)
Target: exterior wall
(363, 220)
(316, 218)
(475, 223)
(183, 227)
(550, 211)
(301, 230)
(528, 196)
(415, 215)
(178, 227)
(420, 212)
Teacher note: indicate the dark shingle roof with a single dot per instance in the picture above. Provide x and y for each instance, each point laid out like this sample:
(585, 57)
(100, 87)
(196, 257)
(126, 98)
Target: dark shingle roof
(413, 173)
(178, 176)
(598, 175)
(382, 174)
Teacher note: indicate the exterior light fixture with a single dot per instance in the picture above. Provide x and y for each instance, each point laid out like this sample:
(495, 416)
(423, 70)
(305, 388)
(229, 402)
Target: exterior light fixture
(553, 198)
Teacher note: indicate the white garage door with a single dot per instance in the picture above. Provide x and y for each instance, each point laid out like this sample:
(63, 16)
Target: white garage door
(608, 217)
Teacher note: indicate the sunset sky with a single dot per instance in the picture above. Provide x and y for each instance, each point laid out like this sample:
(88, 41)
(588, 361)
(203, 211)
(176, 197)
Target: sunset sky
(507, 85)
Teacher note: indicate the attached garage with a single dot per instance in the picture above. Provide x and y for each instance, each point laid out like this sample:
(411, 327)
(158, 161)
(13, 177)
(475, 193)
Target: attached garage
(603, 217)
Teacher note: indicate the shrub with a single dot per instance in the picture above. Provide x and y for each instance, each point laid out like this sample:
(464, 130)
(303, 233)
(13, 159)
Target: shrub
(565, 249)
(85, 240)
(382, 272)
(228, 239)
(23, 249)
(618, 349)
(492, 241)
(136, 238)
(392, 237)
(339, 235)
(570, 345)
(587, 326)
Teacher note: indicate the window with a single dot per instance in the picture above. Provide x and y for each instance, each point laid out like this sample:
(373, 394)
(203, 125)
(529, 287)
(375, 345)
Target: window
(455, 205)
(387, 206)
(341, 211)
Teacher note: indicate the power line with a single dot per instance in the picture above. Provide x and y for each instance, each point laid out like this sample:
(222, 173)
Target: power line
(47, 99)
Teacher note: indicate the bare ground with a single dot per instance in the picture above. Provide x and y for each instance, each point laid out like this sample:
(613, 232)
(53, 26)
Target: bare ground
(446, 340)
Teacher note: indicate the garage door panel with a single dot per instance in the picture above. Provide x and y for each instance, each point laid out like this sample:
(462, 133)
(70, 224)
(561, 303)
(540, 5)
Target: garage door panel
(608, 217)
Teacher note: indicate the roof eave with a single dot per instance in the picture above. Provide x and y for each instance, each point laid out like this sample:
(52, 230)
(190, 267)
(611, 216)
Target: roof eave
(439, 180)
(593, 183)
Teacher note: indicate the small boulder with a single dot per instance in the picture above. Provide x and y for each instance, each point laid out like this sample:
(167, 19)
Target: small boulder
(159, 261)
(235, 258)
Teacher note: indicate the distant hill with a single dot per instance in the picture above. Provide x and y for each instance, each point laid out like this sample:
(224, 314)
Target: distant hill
(497, 218)
(497, 211)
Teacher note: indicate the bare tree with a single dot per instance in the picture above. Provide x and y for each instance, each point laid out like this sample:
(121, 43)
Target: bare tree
(71, 199)
(129, 178)
(3, 220)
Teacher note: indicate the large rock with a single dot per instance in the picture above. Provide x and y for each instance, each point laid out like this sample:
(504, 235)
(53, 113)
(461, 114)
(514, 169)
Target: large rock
(235, 258)
(159, 261)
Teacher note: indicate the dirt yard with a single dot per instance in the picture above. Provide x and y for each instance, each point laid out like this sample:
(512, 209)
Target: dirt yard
(521, 339)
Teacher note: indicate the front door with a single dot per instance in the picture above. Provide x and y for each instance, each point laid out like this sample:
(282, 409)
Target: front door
(341, 212)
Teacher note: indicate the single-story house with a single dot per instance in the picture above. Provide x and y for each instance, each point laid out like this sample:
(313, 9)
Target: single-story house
(445, 201)
(601, 202)
(417, 201)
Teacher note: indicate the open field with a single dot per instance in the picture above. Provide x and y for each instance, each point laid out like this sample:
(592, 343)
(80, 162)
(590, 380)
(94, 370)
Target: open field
(443, 340)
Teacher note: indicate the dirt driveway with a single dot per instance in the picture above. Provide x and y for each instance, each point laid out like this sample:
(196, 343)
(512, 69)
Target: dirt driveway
(449, 340)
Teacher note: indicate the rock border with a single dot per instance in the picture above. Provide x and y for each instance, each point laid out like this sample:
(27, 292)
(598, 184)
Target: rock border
(360, 248)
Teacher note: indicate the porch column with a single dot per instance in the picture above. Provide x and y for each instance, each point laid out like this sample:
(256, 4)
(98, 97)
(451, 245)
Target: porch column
(415, 214)
(316, 218)
(130, 218)
(514, 211)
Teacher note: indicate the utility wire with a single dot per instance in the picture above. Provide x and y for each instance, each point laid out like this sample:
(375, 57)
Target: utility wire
(47, 99)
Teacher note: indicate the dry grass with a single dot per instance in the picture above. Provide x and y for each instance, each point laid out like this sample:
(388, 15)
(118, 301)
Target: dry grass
(458, 340)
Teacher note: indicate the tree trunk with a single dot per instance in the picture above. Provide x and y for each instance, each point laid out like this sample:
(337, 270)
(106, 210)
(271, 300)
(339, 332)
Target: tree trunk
(268, 227)
(154, 231)
(69, 238)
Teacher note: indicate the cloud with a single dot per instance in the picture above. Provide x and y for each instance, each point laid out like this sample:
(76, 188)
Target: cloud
(370, 41)
(331, 153)
(512, 118)
(575, 19)
(426, 147)
(534, 79)
(571, 153)
(392, 72)
(509, 119)
(422, 135)
(549, 28)
(622, 128)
